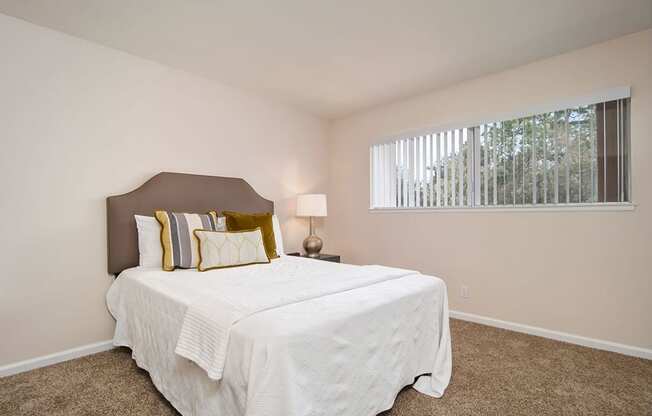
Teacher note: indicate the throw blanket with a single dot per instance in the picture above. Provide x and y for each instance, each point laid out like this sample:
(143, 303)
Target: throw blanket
(208, 320)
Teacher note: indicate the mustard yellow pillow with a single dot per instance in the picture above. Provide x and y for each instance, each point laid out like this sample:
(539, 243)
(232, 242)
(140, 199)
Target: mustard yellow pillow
(240, 221)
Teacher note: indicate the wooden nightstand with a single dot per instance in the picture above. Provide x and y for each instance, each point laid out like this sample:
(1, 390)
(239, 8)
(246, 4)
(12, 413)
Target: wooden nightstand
(326, 257)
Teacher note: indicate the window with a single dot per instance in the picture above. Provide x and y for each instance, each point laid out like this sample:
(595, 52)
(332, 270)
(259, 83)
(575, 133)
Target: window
(574, 156)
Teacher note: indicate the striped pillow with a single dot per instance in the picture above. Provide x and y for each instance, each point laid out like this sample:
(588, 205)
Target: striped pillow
(180, 247)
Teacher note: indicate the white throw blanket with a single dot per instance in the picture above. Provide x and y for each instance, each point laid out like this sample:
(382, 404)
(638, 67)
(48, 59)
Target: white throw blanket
(209, 318)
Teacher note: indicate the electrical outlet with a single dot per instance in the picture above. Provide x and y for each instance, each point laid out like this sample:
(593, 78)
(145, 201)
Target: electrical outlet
(464, 292)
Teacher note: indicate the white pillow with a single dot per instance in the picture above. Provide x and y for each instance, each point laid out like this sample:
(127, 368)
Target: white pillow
(149, 241)
(277, 235)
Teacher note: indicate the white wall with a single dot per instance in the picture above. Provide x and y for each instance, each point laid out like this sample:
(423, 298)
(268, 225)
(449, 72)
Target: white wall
(585, 273)
(79, 122)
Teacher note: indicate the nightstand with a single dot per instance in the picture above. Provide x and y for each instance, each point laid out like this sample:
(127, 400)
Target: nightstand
(326, 257)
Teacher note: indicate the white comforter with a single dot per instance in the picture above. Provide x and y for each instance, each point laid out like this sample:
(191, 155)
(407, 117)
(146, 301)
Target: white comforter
(294, 337)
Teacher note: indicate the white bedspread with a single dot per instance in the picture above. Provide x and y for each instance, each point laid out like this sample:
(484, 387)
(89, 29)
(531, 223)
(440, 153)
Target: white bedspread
(239, 293)
(294, 337)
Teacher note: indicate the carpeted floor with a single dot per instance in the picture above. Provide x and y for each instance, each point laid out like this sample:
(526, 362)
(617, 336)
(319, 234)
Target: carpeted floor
(495, 372)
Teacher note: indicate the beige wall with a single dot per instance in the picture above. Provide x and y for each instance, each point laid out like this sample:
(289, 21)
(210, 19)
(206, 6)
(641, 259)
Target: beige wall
(585, 273)
(79, 122)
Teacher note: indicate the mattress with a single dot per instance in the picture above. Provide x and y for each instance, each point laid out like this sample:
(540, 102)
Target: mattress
(345, 351)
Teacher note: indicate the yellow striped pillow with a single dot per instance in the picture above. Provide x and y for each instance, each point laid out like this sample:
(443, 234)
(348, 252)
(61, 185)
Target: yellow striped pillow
(180, 249)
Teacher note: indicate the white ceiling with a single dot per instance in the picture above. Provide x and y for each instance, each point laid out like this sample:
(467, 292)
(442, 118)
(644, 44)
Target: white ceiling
(334, 57)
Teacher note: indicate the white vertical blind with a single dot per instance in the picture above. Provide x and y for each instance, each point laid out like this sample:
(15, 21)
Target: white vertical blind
(475, 139)
(444, 166)
(431, 176)
(436, 168)
(452, 166)
(460, 167)
(570, 156)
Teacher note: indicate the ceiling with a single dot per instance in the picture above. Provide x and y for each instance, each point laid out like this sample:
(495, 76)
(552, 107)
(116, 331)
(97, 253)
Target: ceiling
(333, 57)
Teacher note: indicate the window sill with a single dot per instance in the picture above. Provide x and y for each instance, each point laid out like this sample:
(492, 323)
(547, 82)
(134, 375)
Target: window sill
(606, 207)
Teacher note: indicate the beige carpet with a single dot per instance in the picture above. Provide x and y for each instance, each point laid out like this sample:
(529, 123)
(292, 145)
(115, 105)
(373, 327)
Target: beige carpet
(495, 372)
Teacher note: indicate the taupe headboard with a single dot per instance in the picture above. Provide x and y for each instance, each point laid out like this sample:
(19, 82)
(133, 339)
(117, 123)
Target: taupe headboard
(179, 192)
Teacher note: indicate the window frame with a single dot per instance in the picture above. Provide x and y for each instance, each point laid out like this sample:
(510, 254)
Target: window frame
(606, 95)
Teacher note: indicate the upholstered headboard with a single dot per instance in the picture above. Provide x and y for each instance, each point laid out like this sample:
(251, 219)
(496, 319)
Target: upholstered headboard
(179, 192)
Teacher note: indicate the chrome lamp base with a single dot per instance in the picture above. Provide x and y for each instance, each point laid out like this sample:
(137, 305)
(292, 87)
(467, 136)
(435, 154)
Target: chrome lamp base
(312, 244)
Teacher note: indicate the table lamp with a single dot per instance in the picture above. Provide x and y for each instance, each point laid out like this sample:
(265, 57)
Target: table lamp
(311, 205)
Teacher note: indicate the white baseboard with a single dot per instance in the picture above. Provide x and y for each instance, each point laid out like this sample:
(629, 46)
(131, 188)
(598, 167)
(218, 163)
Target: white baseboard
(556, 335)
(55, 358)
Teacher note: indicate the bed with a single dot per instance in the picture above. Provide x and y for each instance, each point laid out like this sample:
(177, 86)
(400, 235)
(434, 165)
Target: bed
(293, 337)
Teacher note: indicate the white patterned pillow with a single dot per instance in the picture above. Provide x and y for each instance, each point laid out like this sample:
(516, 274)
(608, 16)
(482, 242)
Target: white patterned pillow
(219, 249)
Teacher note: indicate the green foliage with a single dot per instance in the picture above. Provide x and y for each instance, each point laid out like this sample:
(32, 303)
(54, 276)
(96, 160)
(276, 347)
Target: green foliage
(547, 158)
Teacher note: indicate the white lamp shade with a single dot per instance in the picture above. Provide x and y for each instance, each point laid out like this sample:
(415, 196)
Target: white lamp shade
(311, 205)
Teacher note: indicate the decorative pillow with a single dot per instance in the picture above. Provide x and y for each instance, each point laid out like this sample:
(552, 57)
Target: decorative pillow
(219, 249)
(177, 238)
(149, 241)
(278, 236)
(220, 221)
(239, 221)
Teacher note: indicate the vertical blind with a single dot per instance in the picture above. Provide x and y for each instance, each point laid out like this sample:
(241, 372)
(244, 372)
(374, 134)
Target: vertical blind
(577, 155)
